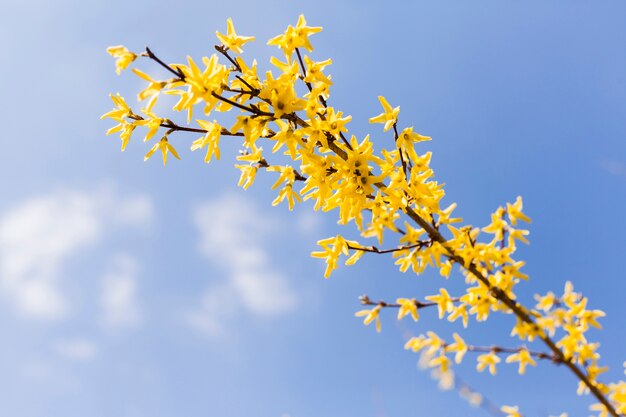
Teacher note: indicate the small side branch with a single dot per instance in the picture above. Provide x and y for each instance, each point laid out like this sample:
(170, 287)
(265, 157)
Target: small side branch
(177, 72)
(374, 249)
(366, 301)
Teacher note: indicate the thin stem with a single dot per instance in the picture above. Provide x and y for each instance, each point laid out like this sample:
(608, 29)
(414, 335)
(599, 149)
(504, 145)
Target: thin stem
(224, 51)
(365, 300)
(396, 137)
(176, 72)
(297, 176)
(374, 249)
(308, 84)
(253, 91)
(303, 69)
(173, 127)
(168, 124)
(241, 106)
(240, 91)
(500, 349)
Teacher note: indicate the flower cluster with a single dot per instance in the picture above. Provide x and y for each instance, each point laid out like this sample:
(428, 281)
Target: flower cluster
(385, 186)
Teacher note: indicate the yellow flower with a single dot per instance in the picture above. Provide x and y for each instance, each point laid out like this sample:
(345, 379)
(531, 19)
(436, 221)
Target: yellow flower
(231, 40)
(119, 114)
(123, 55)
(302, 33)
(210, 140)
(252, 157)
(526, 331)
(332, 247)
(248, 74)
(517, 234)
(432, 341)
(202, 85)
(446, 268)
(459, 346)
(415, 343)
(153, 122)
(488, 360)
(406, 140)
(165, 147)
(443, 300)
(314, 71)
(285, 100)
(510, 411)
(497, 225)
(546, 302)
(441, 361)
(389, 117)
(153, 88)
(370, 316)
(290, 70)
(569, 297)
(382, 218)
(459, 311)
(295, 37)
(524, 358)
(335, 123)
(600, 408)
(252, 129)
(407, 307)
(248, 174)
(444, 215)
(287, 176)
(122, 109)
(515, 211)
(355, 256)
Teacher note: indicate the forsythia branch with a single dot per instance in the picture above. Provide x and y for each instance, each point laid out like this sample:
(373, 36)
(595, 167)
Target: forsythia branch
(351, 177)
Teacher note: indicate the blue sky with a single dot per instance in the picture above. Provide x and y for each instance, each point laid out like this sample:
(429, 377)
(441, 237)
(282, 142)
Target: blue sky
(130, 289)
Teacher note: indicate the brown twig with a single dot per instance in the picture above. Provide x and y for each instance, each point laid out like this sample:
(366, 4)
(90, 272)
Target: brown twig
(374, 249)
(177, 72)
(396, 137)
(366, 301)
(262, 163)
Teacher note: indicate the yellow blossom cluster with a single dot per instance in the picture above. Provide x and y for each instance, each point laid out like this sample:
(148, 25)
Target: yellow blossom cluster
(383, 183)
(436, 351)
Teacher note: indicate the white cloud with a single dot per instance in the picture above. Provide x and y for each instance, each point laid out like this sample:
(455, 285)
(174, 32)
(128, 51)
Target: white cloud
(118, 296)
(38, 235)
(75, 349)
(233, 236)
(215, 306)
(36, 371)
(614, 167)
(263, 291)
